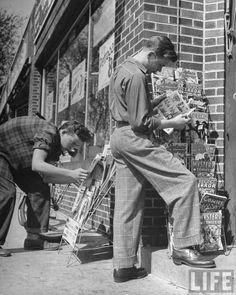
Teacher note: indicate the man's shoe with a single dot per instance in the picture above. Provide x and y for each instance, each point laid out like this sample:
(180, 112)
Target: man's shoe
(125, 274)
(191, 258)
(40, 244)
(4, 252)
(51, 237)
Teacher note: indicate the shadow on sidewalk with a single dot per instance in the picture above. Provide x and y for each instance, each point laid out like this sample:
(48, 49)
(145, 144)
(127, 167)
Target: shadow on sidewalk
(92, 246)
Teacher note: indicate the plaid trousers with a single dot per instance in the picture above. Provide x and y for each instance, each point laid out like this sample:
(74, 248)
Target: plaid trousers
(137, 159)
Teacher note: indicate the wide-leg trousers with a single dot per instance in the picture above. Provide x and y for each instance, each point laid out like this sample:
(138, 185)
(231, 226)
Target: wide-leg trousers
(37, 199)
(139, 159)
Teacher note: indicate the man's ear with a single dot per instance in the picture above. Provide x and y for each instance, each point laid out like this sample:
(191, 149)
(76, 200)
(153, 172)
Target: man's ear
(151, 54)
(63, 131)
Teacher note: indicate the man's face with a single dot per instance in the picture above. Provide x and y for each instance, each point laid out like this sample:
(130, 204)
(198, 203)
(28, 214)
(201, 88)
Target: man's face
(70, 142)
(157, 63)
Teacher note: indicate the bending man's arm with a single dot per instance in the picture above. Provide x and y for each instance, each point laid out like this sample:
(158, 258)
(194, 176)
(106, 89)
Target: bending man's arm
(53, 174)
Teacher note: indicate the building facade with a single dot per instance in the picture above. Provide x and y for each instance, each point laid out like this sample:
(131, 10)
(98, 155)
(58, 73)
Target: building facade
(73, 47)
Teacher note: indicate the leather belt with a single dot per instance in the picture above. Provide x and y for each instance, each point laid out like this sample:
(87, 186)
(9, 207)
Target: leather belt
(121, 123)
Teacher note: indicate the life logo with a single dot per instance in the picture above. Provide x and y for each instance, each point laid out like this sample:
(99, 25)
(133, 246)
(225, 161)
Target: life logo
(211, 281)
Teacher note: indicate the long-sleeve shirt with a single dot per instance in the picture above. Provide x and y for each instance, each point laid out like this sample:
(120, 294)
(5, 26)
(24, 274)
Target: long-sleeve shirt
(129, 97)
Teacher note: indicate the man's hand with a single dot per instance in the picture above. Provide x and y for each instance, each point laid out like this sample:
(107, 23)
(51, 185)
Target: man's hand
(79, 175)
(180, 121)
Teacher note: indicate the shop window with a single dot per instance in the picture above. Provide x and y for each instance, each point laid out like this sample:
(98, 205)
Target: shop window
(103, 21)
(66, 96)
(72, 75)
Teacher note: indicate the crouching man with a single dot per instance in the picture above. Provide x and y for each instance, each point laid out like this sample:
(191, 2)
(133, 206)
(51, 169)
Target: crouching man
(27, 147)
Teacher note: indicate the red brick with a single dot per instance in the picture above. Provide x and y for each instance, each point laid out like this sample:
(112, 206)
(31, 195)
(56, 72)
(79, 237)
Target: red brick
(167, 10)
(214, 15)
(149, 25)
(193, 66)
(186, 5)
(192, 14)
(166, 28)
(191, 32)
(149, 7)
(214, 49)
(210, 25)
(210, 58)
(192, 49)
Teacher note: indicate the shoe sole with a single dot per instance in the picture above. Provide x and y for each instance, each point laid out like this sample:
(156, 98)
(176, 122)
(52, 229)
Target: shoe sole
(179, 262)
(119, 280)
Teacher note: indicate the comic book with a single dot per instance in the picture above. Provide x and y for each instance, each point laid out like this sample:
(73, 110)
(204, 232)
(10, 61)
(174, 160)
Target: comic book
(178, 85)
(212, 232)
(212, 202)
(203, 160)
(171, 106)
(207, 185)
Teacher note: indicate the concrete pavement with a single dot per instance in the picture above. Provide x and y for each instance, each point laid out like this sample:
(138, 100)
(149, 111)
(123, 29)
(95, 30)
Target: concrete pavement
(48, 272)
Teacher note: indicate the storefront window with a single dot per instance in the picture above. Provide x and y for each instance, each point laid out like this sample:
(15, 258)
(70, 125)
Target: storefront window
(103, 21)
(66, 95)
(72, 75)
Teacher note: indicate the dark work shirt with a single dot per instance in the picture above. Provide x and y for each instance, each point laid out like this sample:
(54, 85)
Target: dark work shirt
(19, 137)
(129, 97)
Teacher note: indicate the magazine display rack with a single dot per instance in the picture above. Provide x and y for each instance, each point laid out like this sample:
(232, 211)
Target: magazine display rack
(184, 95)
(90, 195)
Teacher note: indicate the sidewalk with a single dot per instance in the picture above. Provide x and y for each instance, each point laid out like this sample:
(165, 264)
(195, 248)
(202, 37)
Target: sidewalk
(48, 272)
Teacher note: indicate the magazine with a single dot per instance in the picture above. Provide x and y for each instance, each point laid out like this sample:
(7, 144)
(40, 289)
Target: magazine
(212, 202)
(203, 160)
(207, 185)
(212, 232)
(172, 106)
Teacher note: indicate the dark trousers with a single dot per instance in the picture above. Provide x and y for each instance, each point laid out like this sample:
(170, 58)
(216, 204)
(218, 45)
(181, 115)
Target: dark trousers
(38, 199)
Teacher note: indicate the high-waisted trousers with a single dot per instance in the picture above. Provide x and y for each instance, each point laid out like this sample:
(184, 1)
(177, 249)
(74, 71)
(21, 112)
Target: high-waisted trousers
(138, 159)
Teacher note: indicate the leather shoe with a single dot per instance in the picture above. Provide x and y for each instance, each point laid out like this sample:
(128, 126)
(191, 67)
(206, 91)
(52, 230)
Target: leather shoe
(125, 274)
(191, 258)
(40, 244)
(4, 252)
(51, 237)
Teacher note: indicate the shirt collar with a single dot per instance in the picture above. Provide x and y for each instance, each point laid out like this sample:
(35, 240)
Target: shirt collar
(139, 65)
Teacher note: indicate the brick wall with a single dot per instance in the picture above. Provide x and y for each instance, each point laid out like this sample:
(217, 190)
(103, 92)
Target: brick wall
(214, 68)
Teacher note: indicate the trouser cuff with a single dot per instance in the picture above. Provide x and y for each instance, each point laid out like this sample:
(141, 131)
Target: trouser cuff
(124, 262)
(187, 241)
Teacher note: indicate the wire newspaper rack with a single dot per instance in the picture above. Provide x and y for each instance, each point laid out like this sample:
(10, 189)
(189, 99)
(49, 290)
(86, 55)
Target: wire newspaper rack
(90, 195)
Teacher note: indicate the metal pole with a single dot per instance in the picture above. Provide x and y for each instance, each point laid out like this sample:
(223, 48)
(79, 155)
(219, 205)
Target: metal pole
(89, 60)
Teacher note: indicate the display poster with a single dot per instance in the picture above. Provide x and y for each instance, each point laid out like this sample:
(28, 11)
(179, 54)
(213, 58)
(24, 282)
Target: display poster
(63, 99)
(49, 106)
(106, 57)
(78, 83)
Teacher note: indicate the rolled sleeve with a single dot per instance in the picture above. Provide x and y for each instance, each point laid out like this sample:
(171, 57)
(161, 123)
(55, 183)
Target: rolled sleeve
(43, 141)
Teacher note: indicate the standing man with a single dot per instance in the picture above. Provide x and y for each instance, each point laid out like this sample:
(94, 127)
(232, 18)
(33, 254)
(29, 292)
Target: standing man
(138, 158)
(27, 146)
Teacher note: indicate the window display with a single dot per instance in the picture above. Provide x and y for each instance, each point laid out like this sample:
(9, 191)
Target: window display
(69, 76)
